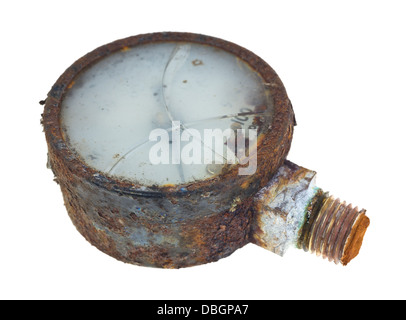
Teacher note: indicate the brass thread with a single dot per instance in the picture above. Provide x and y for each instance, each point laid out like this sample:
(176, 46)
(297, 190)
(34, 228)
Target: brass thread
(330, 223)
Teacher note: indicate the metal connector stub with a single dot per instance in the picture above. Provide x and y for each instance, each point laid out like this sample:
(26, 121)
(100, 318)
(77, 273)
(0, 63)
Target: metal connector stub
(291, 210)
(280, 208)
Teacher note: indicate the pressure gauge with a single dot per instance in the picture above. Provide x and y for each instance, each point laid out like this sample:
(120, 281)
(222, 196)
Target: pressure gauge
(161, 144)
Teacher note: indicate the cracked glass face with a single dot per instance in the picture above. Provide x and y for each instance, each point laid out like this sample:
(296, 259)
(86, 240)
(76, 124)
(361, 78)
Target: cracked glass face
(115, 114)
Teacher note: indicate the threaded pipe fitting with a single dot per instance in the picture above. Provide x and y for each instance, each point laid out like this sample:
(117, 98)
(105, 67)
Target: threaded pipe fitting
(333, 229)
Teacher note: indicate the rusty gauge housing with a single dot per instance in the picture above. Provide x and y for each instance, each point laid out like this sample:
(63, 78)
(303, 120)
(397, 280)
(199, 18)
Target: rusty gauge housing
(98, 119)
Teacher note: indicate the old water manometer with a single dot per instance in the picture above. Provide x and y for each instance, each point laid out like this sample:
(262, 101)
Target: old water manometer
(170, 151)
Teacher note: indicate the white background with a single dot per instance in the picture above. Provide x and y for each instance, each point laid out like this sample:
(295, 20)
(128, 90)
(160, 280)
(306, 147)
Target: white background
(343, 64)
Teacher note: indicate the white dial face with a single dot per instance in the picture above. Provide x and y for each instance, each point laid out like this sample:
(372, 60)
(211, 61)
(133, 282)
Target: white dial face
(112, 107)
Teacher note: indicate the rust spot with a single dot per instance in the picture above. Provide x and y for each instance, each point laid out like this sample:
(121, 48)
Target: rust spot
(125, 48)
(260, 108)
(169, 185)
(133, 216)
(197, 62)
(245, 184)
(354, 241)
(110, 222)
(71, 85)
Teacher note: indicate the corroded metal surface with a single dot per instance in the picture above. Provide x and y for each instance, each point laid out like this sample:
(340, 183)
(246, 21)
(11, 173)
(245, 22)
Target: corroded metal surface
(165, 226)
(122, 227)
(281, 206)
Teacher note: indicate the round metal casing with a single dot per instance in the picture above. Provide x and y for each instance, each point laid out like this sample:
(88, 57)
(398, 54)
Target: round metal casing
(170, 226)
